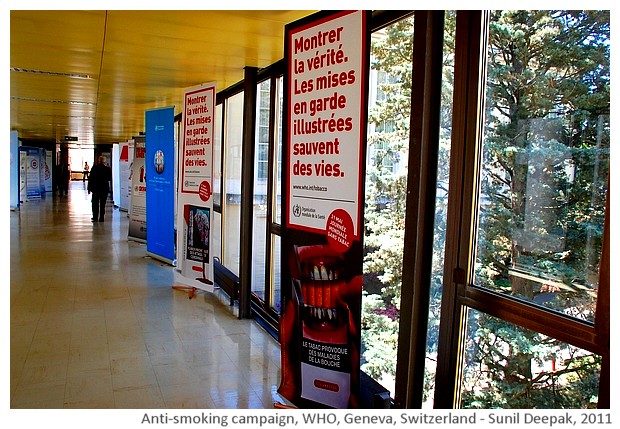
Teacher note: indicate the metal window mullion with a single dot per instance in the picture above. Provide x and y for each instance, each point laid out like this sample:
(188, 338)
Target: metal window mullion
(420, 217)
(468, 100)
(270, 191)
(223, 214)
(547, 322)
(247, 189)
(602, 318)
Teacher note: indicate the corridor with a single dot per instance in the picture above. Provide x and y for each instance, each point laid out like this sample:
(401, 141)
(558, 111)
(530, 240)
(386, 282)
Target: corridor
(95, 323)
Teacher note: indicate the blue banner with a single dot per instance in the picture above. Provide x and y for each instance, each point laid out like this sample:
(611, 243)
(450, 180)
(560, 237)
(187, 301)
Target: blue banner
(14, 174)
(160, 167)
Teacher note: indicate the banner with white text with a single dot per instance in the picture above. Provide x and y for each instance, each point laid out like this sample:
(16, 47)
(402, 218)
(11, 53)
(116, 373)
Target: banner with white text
(327, 60)
(160, 164)
(14, 170)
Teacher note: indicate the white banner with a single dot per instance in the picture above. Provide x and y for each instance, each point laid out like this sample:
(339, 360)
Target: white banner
(325, 128)
(116, 189)
(49, 162)
(31, 166)
(195, 202)
(322, 259)
(23, 171)
(137, 211)
(124, 167)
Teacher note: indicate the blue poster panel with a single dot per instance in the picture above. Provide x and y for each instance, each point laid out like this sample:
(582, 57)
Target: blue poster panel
(323, 157)
(160, 170)
(14, 174)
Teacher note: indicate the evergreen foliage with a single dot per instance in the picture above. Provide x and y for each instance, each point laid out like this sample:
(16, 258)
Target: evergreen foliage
(542, 202)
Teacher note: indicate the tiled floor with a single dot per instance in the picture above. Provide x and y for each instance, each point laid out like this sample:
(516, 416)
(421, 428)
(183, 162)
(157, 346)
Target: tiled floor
(95, 323)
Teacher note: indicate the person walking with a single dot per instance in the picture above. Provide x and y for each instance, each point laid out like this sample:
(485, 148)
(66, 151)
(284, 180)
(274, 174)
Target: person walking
(99, 185)
(85, 172)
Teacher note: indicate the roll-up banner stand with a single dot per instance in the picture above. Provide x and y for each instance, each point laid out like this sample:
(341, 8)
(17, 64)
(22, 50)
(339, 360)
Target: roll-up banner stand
(195, 202)
(42, 167)
(326, 79)
(160, 164)
(49, 166)
(125, 160)
(14, 171)
(23, 170)
(116, 178)
(30, 172)
(137, 201)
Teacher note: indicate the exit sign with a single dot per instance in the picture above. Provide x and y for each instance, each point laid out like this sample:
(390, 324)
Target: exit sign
(71, 138)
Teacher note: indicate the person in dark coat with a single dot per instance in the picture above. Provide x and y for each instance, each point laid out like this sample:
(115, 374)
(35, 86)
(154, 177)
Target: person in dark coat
(64, 176)
(99, 185)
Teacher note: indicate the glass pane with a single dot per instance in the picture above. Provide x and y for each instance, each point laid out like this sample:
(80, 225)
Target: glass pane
(386, 185)
(217, 156)
(259, 248)
(232, 182)
(216, 235)
(545, 158)
(275, 274)
(441, 210)
(262, 155)
(507, 366)
(277, 192)
(259, 210)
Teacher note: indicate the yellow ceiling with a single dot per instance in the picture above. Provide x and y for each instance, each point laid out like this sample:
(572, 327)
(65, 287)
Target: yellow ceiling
(93, 74)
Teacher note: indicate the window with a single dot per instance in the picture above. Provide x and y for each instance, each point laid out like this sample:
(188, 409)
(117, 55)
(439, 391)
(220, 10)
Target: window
(545, 159)
(259, 211)
(395, 315)
(276, 201)
(386, 190)
(507, 366)
(441, 206)
(216, 221)
(266, 212)
(231, 210)
(277, 170)
(262, 133)
(542, 197)
(527, 270)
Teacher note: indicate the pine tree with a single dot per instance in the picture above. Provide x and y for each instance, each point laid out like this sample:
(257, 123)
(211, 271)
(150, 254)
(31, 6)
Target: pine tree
(546, 163)
(542, 202)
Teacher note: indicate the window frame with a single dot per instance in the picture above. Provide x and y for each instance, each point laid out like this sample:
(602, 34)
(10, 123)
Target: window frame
(460, 292)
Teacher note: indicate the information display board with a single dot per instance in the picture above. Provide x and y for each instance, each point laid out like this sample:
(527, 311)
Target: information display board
(327, 60)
